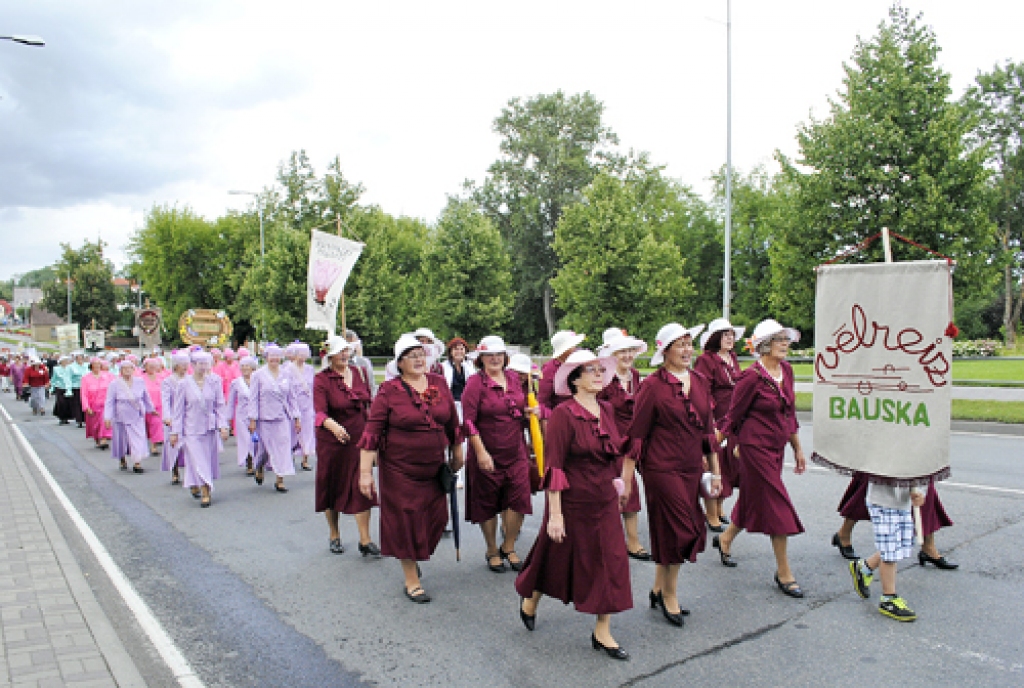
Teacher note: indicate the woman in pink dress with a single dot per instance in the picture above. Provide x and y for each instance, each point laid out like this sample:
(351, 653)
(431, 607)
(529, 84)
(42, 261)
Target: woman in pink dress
(720, 366)
(152, 375)
(580, 554)
(761, 420)
(94, 395)
(413, 425)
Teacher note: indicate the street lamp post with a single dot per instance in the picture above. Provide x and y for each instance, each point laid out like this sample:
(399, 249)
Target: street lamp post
(259, 212)
(33, 41)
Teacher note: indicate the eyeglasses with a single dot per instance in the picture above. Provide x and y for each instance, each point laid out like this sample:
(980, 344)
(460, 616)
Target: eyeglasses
(780, 338)
(594, 369)
(414, 355)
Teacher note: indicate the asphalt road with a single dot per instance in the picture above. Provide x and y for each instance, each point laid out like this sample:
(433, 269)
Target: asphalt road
(252, 597)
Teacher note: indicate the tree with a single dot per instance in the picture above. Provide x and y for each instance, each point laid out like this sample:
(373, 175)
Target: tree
(997, 102)
(891, 154)
(468, 274)
(552, 146)
(615, 272)
(92, 286)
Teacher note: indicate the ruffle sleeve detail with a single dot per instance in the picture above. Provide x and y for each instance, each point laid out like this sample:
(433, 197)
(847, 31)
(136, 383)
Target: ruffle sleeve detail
(369, 442)
(555, 480)
(320, 418)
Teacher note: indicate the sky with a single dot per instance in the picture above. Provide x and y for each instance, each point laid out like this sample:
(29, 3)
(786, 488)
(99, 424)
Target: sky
(136, 103)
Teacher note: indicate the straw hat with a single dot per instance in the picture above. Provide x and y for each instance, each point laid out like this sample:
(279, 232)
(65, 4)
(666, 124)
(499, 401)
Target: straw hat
(720, 325)
(668, 334)
(575, 360)
(565, 340)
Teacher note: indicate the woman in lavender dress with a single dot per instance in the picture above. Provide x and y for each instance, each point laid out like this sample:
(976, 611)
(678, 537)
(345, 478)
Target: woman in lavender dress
(125, 412)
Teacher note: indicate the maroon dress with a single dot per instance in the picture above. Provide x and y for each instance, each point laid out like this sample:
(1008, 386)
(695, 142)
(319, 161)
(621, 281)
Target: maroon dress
(546, 396)
(497, 416)
(622, 403)
(722, 377)
(411, 434)
(672, 433)
(337, 464)
(590, 567)
(854, 507)
(761, 419)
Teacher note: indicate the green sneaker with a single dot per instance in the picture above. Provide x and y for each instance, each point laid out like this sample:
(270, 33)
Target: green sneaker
(861, 583)
(896, 608)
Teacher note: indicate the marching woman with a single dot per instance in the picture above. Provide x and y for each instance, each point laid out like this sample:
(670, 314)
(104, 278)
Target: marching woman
(125, 412)
(341, 397)
(562, 345)
(673, 433)
(197, 415)
(78, 370)
(365, 364)
(152, 375)
(17, 375)
(37, 379)
(762, 418)
(579, 555)
(498, 463)
(238, 408)
(60, 389)
(94, 396)
(433, 346)
(413, 423)
(620, 394)
(5, 374)
(301, 375)
(273, 416)
(720, 366)
(455, 368)
(173, 457)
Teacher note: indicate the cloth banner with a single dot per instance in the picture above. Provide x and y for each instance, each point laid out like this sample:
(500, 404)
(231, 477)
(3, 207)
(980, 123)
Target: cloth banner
(883, 370)
(330, 262)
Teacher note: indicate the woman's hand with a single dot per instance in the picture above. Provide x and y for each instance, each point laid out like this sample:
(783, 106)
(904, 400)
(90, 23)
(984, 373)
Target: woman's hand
(556, 528)
(339, 432)
(224, 434)
(627, 488)
(485, 461)
(366, 485)
(174, 441)
(801, 461)
(252, 427)
(533, 410)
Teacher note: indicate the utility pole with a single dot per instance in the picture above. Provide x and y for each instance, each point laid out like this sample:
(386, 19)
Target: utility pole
(69, 298)
(727, 279)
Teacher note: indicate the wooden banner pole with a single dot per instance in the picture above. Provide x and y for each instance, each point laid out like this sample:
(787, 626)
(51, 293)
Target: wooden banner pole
(343, 328)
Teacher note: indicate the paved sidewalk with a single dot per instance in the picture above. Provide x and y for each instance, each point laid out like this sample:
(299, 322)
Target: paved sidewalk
(52, 630)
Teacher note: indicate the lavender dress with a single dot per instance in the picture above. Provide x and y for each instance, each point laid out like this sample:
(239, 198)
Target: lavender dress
(172, 456)
(237, 409)
(197, 415)
(126, 407)
(272, 406)
(301, 379)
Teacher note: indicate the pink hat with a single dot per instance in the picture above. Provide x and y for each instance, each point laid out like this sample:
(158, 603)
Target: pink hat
(243, 352)
(229, 354)
(132, 357)
(575, 360)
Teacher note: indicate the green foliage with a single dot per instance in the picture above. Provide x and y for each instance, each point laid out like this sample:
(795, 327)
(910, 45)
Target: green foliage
(37, 278)
(615, 271)
(891, 154)
(468, 275)
(552, 146)
(92, 288)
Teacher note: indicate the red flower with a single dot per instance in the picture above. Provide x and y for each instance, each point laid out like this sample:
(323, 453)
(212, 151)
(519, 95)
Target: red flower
(431, 395)
(952, 330)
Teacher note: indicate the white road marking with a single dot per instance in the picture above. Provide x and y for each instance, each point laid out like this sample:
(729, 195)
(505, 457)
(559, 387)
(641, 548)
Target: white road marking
(169, 652)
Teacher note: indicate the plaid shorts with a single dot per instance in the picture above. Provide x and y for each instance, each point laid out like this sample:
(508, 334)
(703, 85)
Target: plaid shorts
(894, 532)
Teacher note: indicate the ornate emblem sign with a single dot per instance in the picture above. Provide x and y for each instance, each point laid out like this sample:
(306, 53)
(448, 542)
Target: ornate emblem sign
(205, 326)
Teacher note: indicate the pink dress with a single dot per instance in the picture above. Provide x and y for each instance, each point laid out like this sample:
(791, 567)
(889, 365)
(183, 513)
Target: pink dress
(154, 421)
(94, 395)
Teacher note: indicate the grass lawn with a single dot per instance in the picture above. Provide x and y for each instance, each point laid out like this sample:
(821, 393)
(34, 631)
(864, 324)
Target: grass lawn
(963, 409)
(989, 369)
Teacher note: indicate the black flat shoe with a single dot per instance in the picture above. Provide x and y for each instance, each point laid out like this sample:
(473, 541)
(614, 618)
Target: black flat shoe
(369, 550)
(725, 521)
(258, 477)
(726, 557)
(939, 563)
(196, 494)
(791, 588)
(514, 565)
(613, 652)
(530, 621)
(497, 568)
(280, 488)
(205, 502)
(640, 555)
(337, 547)
(716, 529)
(306, 467)
(124, 466)
(422, 598)
(137, 469)
(845, 550)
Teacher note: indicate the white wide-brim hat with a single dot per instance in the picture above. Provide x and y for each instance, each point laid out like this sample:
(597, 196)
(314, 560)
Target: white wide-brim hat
(575, 360)
(720, 325)
(521, 363)
(336, 344)
(668, 334)
(565, 340)
(405, 342)
(623, 341)
(429, 334)
(769, 328)
(610, 334)
(491, 344)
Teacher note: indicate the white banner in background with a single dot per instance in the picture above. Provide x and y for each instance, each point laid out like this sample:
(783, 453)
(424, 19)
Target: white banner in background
(883, 369)
(331, 259)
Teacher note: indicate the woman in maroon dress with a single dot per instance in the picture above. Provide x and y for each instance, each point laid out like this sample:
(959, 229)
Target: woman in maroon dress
(762, 418)
(340, 399)
(413, 423)
(579, 555)
(852, 508)
(719, 365)
(498, 464)
(673, 434)
(562, 345)
(620, 393)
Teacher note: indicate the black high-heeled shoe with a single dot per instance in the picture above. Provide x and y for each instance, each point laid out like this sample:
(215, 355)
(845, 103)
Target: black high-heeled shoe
(496, 568)
(937, 562)
(658, 600)
(280, 487)
(529, 620)
(613, 652)
(514, 565)
(845, 550)
(369, 550)
(726, 557)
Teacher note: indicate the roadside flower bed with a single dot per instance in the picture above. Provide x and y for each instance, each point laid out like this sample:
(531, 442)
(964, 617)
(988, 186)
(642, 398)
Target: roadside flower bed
(976, 347)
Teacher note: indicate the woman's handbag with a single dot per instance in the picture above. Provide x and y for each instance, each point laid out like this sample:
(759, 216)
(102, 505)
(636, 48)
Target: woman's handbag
(446, 478)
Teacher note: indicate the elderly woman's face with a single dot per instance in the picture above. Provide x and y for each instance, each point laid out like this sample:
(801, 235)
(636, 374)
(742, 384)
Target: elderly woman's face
(413, 361)
(201, 367)
(626, 357)
(592, 378)
(458, 353)
(127, 370)
(341, 359)
(680, 352)
(780, 346)
(493, 363)
(728, 340)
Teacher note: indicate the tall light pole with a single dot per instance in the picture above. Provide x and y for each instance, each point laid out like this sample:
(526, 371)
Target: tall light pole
(69, 298)
(259, 211)
(726, 281)
(33, 41)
